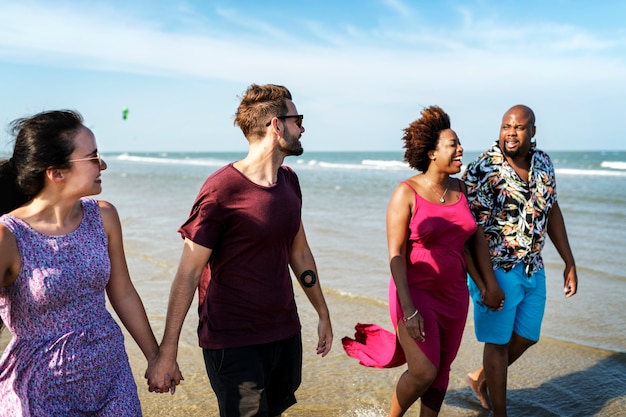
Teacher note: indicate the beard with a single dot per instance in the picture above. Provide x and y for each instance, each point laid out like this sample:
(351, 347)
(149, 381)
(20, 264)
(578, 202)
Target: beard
(521, 150)
(513, 154)
(291, 145)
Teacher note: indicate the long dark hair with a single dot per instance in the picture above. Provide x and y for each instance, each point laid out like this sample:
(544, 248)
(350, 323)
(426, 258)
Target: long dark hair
(41, 141)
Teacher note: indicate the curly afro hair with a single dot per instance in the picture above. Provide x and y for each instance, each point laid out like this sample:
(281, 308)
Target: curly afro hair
(422, 136)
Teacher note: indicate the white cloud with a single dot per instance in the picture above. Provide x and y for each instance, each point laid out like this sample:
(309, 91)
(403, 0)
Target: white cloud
(117, 42)
(483, 62)
(399, 7)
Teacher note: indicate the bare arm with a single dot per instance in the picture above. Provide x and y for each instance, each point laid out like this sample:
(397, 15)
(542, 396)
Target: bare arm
(558, 236)
(479, 268)
(10, 261)
(303, 266)
(398, 217)
(192, 261)
(478, 260)
(120, 289)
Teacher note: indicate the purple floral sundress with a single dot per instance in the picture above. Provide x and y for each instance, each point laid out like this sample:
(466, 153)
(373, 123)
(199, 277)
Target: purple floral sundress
(66, 356)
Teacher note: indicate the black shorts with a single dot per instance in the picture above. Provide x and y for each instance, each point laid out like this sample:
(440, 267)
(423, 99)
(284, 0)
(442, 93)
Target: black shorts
(258, 380)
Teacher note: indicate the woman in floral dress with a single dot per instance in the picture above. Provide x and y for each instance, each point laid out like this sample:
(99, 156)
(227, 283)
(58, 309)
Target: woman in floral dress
(59, 252)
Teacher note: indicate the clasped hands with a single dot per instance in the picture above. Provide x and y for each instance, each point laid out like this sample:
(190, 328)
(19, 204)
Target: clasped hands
(163, 375)
(493, 299)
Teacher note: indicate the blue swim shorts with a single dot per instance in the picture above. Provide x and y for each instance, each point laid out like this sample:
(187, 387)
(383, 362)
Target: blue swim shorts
(522, 314)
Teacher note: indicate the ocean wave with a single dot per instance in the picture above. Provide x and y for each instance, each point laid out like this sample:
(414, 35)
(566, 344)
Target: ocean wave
(614, 165)
(366, 164)
(607, 168)
(172, 161)
(590, 172)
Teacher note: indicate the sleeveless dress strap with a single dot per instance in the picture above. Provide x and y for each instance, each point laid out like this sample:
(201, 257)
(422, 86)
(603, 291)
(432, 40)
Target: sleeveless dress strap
(415, 206)
(462, 186)
(408, 184)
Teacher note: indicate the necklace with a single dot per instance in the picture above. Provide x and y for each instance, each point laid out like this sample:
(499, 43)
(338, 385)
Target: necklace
(441, 199)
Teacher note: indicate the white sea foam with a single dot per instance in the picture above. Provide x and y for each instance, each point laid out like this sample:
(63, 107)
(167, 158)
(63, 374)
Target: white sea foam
(172, 161)
(590, 172)
(605, 168)
(366, 164)
(613, 165)
(385, 164)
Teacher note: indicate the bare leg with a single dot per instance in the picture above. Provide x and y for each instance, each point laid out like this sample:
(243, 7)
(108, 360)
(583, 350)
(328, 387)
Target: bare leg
(426, 411)
(415, 381)
(477, 382)
(495, 362)
(517, 346)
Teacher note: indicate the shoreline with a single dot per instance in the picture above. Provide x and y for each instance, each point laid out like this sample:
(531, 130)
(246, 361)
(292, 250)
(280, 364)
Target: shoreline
(553, 371)
(548, 379)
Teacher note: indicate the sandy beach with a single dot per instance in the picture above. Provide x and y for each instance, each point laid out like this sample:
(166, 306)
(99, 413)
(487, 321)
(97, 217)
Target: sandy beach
(570, 378)
(561, 378)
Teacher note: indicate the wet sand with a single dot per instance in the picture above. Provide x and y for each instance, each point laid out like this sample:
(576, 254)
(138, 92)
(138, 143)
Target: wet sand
(553, 378)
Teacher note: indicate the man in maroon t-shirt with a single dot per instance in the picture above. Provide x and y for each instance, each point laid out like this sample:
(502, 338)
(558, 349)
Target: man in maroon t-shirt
(242, 235)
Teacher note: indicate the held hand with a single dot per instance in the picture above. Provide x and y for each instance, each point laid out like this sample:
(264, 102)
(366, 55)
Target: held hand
(163, 375)
(325, 335)
(415, 326)
(493, 298)
(175, 380)
(571, 280)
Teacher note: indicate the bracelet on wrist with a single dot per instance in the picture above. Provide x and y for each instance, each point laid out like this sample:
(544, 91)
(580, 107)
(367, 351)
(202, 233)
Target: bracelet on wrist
(411, 316)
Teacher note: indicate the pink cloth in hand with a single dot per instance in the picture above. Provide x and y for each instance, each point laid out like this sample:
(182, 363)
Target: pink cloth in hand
(374, 346)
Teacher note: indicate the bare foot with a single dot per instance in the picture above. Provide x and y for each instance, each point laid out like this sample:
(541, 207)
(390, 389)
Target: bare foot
(480, 389)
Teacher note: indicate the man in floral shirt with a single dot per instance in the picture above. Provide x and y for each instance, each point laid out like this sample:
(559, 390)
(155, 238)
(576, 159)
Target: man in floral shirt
(511, 189)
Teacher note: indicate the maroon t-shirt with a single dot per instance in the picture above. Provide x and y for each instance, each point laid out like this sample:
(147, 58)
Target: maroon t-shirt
(245, 293)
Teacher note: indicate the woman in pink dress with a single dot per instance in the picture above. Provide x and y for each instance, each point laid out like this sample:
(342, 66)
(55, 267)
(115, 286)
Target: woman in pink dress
(429, 229)
(60, 251)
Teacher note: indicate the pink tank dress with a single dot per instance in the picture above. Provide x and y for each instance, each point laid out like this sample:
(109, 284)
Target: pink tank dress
(66, 356)
(437, 280)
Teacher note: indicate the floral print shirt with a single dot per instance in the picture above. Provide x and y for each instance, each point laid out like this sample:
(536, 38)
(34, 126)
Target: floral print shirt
(513, 213)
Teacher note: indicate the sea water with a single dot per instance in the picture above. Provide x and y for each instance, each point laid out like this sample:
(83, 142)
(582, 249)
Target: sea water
(345, 196)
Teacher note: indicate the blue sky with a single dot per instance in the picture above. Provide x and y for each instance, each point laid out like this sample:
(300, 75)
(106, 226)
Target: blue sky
(360, 71)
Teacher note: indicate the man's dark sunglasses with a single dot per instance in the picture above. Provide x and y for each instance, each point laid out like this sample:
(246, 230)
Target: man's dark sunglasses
(298, 118)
